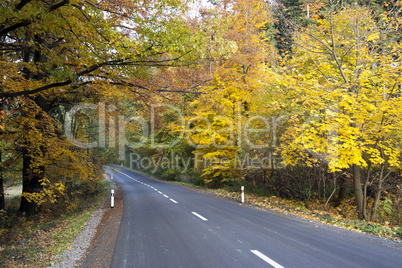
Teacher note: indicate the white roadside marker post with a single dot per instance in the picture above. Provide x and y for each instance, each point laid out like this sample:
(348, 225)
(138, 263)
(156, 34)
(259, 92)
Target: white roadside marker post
(112, 199)
(242, 194)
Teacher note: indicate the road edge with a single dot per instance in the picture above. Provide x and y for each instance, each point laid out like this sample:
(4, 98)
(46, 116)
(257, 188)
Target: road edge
(100, 253)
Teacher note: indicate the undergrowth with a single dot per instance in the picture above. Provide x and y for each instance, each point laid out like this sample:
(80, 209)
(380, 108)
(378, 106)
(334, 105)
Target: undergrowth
(36, 241)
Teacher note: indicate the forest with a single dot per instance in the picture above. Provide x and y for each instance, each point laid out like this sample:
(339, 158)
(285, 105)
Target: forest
(296, 99)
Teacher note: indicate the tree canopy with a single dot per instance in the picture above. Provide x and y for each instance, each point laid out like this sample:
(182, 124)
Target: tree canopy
(300, 98)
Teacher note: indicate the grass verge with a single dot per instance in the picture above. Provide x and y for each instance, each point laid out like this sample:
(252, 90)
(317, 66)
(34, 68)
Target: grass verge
(37, 242)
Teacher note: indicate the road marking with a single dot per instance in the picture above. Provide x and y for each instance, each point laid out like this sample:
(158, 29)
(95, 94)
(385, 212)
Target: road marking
(239, 241)
(265, 258)
(126, 175)
(174, 201)
(199, 216)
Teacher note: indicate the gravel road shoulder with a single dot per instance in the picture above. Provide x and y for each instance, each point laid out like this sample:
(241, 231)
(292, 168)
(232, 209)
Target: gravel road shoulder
(94, 245)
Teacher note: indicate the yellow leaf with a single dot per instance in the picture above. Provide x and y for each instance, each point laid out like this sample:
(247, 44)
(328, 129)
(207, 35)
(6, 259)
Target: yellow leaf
(373, 37)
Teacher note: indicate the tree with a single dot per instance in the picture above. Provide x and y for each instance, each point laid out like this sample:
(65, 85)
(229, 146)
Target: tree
(58, 53)
(217, 120)
(2, 199)
(288, 16)
(341, 91)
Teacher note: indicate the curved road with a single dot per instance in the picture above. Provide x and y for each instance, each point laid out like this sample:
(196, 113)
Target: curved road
(165, 225)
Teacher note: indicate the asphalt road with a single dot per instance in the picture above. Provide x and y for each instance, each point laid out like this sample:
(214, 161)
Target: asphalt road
(165, 225)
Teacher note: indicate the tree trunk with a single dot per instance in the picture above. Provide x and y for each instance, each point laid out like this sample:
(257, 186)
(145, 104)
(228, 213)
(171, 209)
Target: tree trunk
(342, 192)
(33, 155)
(358, 192)
(2, 202)
(375, 206)
(377, 194)
(30, 183)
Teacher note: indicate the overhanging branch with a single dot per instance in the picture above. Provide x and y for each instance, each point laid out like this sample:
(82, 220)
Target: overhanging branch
(119, 62)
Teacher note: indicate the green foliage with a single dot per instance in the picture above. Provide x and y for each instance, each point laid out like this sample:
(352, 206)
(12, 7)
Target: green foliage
(288, 17)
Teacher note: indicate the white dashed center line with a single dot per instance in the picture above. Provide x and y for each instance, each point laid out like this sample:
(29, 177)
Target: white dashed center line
(199, 216)
(256, 252)
(156, 190)
(266, 259)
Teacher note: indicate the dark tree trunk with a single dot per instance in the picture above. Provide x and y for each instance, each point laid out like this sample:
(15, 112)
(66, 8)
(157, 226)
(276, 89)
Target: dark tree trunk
(33, 170)
(30, 183)
(2, 202)
(342, 192)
